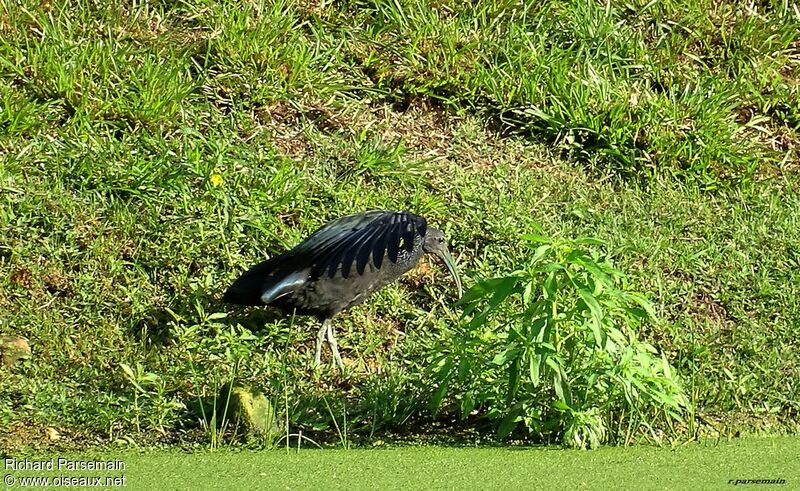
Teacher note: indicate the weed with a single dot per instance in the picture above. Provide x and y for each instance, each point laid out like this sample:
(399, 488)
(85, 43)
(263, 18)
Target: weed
(566, 343)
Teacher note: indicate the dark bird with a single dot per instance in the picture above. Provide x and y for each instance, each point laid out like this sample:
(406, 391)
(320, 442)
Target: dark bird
(341, 265)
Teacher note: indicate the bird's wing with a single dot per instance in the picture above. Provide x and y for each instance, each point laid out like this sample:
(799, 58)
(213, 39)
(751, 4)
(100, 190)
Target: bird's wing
(355, 238)
(341, 242)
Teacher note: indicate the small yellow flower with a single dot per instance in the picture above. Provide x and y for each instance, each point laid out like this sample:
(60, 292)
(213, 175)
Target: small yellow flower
(215, 180)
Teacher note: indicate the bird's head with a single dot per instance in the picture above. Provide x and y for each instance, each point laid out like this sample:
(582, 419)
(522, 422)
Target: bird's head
(436, 244)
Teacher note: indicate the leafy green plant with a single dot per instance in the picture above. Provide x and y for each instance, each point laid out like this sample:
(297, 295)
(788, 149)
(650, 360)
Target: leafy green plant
(340, 431)
(150, 387)
(553, 347)
(214, 353)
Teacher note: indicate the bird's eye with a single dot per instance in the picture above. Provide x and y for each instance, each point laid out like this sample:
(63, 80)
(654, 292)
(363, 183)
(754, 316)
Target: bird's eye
(441, 240)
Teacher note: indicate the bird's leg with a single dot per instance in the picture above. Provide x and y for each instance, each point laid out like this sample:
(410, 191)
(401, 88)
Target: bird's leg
(334, 346)
(320, 337)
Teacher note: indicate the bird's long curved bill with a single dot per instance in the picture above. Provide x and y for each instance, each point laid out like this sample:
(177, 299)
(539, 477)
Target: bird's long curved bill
(448, 260)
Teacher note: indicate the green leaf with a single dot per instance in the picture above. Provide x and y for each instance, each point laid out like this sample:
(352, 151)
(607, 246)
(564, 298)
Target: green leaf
(546, 348)
(501, 290)
(551, 285)
(573, 255)
(595, 269)
(149, 377)
(128, 371)
(643, 302)
(464, 367)
(527, 293)
(510, 354)
(536, 328)
(514, 335)
(536, 238)
(597, 314)
(443, 373)
(534, 363)
(540, 253)
(561, 406)
(476, 292)
(551, 267)
(558, 386)
(484, 288)
(666, 399)
(589, 241)
(132, 378)
(665, 366)
(513, 381)
(438, 396)
(637, 313)
(467, 403)
(553, 363)
(508, 423)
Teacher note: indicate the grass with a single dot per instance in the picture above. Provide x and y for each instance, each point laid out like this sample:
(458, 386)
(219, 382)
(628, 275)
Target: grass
(689, 467)
(150, 152)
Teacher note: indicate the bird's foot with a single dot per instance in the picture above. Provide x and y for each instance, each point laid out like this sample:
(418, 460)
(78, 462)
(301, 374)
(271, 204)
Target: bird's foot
(320, 337)
(334, 345)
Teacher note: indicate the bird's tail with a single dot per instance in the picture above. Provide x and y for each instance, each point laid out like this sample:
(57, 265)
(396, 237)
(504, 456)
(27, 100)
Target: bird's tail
(249, 287)
(263, 283)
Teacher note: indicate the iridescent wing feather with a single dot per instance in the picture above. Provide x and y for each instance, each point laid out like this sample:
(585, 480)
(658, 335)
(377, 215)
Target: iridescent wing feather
(340, 243)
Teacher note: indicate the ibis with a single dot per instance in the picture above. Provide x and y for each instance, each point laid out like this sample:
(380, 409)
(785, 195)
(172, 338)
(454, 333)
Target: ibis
(341, 265)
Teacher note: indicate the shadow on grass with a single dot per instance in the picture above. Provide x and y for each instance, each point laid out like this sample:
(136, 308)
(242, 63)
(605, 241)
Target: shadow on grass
(156, 325)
